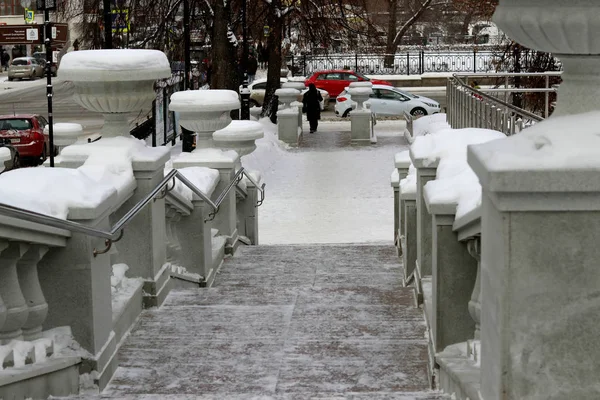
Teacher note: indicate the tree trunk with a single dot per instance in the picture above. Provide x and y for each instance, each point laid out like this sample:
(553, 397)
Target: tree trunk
(390, 48)
(275, 22)
(223, 53)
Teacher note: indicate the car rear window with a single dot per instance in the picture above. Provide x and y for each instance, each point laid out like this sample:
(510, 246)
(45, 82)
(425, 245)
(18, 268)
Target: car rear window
(15, 123)
(18, 61)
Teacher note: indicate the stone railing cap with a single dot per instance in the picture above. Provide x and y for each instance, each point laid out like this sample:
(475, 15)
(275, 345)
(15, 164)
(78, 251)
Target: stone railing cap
(395, 178)
(468, 225)
(402, 159)
(114, 65)
(438, 208)
(211, 158)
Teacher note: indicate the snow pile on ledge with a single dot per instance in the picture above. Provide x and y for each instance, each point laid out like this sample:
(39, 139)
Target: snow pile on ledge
(52, 191)
(455, 182)
(430, 124)
(408, 185)
(557, 143)
(65, 344)
(107, 151)
(121, 287)
(205, 179)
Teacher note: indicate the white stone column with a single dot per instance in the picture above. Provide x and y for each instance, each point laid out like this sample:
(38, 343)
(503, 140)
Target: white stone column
(361, 118)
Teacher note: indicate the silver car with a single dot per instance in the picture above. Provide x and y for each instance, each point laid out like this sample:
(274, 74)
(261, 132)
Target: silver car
(25, 67)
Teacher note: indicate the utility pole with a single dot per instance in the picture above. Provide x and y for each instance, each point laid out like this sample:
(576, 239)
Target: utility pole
(107, 25)
(245, 92)
(48, 5)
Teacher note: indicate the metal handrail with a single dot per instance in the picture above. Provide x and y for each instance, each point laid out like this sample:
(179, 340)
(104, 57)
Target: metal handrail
(516, 109)
(261, 189)
(116, 232)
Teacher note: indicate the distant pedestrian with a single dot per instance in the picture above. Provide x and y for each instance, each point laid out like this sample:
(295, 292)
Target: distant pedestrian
(252, 67)
(311, 105)
(5, 60)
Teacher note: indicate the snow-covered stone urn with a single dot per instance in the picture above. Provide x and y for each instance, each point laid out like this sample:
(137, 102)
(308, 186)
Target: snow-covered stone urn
(239, 136)
(568, 30)
(287, 96)
(360, 92)
(204, 112)
(65, 134)
(114, 82)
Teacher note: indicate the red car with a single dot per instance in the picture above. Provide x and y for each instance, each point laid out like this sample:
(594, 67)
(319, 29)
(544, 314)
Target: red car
(26, 134)
(335, 80)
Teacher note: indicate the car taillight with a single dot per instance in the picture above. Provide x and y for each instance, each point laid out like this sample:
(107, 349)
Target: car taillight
(28, 62)
(341, 99)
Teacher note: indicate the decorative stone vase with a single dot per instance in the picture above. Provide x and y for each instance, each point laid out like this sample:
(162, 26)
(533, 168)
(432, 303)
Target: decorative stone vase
(65, 134)
(204, 112)
(569, 30)
(287, 96)
(360, 92)
(239, 136)
(114, 82)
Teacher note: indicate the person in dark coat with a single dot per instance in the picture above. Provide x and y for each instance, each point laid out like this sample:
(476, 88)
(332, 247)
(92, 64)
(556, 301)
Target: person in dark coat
(252, 67)
(311, 104)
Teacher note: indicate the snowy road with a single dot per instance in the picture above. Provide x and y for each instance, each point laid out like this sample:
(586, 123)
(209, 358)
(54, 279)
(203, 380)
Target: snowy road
(328, 196)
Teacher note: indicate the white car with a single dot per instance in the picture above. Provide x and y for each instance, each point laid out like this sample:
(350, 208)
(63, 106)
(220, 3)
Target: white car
(258, 87)
(389, 101)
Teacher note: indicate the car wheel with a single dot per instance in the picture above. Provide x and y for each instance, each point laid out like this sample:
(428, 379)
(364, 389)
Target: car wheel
(16, 161)
(418, 112)
(44, 155)
(10, 79)
(346, 113)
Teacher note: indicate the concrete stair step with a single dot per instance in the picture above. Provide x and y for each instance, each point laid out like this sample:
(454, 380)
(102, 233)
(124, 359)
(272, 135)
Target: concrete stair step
(429, 395)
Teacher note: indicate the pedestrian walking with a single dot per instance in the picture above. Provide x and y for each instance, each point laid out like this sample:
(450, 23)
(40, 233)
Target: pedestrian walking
(252, 67)
(5, 60)
(311, 105)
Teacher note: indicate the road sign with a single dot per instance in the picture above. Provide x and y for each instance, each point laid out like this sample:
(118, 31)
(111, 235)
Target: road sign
(18, 34)
(266, 30)
(32, 34)
(29, 16)
(120, 20)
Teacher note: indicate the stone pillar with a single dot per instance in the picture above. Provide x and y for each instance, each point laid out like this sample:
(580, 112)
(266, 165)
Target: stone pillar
(361, 125)
(453, 279)
(248, 212)
(196, 241)
(287, 126)
(402, 163)
(426, 172)
(225, 162)
(539, 265)
(409, 239)
(143, 246)
(76, 283)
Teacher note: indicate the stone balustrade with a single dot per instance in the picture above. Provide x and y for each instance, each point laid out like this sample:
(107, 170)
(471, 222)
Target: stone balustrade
(65, 293)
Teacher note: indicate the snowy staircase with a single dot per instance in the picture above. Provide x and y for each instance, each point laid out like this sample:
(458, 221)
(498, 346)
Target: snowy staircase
(283, 322)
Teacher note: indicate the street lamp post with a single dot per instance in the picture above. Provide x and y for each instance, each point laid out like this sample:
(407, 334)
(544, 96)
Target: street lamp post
(48, 5)
(245, 92)
(187, 136)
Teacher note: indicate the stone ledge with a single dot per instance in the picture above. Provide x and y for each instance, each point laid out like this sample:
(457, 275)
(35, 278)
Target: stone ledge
(19, 374)
(458, 375)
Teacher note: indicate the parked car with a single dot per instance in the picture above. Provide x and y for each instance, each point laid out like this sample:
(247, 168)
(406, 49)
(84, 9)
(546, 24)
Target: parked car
(25, 67)
(14, 161)
(41, 59)
(26, 135)
(257, 93)
(334, 81)
(389, 101)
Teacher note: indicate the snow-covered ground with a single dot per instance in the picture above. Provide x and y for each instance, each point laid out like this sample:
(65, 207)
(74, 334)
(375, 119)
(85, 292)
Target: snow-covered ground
(326, 196)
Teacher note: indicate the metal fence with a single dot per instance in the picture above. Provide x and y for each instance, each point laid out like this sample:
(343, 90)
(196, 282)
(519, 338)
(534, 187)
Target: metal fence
(408, 63)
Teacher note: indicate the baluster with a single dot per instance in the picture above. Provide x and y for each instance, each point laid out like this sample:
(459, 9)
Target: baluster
(10, 291)
(32, 291)
(474, 248)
